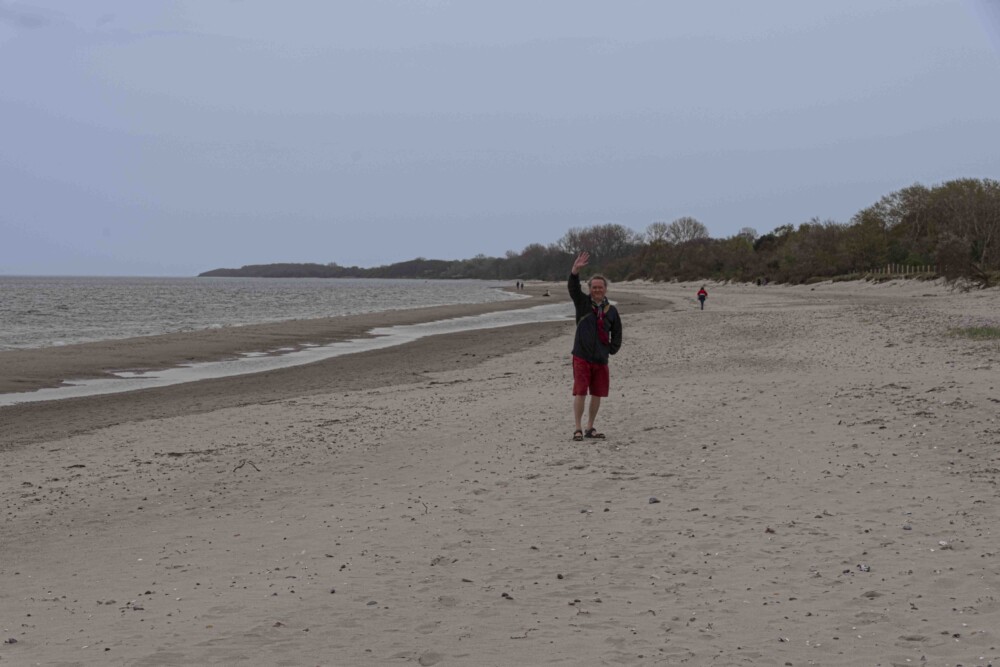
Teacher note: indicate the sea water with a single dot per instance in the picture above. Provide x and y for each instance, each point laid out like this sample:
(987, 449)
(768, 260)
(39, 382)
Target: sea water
(258, 362)
(48, 311)
(82, 309)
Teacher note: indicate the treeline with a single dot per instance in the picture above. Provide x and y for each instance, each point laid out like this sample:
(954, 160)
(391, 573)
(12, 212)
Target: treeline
(950, 230)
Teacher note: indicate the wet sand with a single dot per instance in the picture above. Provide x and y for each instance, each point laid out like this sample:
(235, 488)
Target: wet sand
(796, 475)
(30, 369)
(23, 370)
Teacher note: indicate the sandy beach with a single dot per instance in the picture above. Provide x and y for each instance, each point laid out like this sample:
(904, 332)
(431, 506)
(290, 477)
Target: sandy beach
(795, 476)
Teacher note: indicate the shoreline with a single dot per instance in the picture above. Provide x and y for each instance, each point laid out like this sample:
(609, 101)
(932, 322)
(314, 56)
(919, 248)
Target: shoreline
(24, 370)
(246, 363)
(97, 309)
(800, 475)
(28, 369)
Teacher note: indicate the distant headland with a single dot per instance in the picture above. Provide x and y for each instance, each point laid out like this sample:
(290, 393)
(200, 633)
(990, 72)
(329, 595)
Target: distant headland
(950, 230)
(419, 268)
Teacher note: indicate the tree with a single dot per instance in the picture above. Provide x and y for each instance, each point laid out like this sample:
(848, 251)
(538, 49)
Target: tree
(783, 230)
(868, 240)
(537, 262)
(685, 229)
(912, 231)
(603, 242)
(656, 232)
(573, 241)
(735, 258)
(968, 215)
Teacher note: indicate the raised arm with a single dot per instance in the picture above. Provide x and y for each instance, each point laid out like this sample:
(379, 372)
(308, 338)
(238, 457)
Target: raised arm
(575, 291)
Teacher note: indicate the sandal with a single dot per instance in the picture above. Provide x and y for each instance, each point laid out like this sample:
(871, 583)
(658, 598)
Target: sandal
(593, 434)
(578, 436)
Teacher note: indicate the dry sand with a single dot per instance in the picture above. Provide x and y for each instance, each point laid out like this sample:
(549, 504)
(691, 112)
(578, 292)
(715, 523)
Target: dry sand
(825, 459)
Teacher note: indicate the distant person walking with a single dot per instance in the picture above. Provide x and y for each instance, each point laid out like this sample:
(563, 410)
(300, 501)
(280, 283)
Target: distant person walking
(702, 295)
(598, 335)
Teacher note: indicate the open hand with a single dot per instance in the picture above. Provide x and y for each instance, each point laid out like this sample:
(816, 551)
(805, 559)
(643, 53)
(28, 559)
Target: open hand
(581, 261)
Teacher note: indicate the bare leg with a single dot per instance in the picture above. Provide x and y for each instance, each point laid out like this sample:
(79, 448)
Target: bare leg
(595, 405)
(578, 410)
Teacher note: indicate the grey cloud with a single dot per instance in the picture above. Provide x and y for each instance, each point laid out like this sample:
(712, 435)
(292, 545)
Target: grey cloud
(23, 17)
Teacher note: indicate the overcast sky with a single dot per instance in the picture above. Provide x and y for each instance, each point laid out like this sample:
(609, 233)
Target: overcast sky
(169, 137)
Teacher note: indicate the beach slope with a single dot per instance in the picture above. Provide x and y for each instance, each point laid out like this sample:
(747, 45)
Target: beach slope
(796, 475)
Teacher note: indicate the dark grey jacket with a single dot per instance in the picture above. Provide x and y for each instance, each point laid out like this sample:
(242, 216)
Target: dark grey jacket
(587, 345)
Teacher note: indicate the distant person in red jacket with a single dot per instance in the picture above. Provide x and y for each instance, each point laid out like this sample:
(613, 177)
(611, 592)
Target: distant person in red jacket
(702, 295)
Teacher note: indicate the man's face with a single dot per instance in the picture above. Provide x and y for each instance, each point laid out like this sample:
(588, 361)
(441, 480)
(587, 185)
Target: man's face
(597, 290)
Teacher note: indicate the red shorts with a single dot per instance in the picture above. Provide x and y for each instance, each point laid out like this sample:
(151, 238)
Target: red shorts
(590, 377)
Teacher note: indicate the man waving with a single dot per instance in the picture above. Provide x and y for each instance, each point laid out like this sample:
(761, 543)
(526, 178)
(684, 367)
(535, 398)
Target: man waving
(598, 334)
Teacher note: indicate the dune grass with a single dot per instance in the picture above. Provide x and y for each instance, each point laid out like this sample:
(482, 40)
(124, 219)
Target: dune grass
(979, 332)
